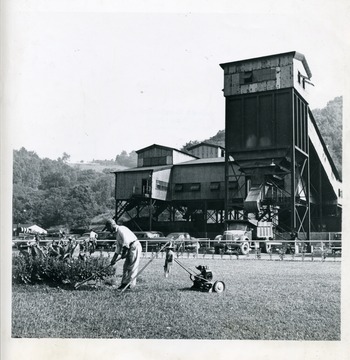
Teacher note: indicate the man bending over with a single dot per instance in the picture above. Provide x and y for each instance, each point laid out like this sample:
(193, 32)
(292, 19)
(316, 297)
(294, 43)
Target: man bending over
(128, 248)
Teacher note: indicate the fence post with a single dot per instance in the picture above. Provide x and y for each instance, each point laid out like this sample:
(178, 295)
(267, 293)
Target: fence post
(257, 253)
(281, 255)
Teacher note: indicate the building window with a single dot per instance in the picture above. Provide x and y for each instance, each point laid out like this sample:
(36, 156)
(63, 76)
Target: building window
(178, 187)
(161, 185)
(146, 187)
(233, 185)
(301, 79)
(258, 75)
(214, 186)
(248, 77)
(195, 187)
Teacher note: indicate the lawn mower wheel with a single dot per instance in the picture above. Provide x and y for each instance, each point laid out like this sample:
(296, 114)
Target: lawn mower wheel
(219, 286)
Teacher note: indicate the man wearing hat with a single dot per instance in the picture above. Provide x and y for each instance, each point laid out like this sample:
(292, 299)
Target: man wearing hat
(129, 248)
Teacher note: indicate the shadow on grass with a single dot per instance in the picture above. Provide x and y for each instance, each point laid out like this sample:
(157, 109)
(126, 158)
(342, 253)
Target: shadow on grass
(188, 289)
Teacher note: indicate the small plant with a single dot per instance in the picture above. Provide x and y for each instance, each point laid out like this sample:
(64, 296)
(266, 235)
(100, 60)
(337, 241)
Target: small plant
(269, 251)
(258, 253)
(282, 253)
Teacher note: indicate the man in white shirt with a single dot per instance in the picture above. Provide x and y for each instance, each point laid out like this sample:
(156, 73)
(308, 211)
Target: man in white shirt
(129, 248)
(93, 240)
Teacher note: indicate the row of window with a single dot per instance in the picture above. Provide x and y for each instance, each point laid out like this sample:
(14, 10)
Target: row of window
(214, 186)
(162, 185)
(301, 79)
(258, 75)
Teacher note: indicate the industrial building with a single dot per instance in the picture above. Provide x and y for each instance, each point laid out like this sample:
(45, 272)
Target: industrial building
(275, 165)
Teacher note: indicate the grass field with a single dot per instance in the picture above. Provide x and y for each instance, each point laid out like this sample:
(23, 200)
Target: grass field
(275, 300)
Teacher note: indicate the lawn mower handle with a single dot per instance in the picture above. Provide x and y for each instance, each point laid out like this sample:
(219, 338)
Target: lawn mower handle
(152, 258)
(78, 284)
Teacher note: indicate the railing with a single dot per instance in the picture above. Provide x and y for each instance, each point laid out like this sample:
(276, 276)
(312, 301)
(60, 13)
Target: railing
(278, 250)
(227, 249)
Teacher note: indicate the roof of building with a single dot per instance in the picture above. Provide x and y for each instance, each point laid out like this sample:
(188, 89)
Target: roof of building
(145, 168)
(216, 160)
(295, 54)
(165, 147)
(197, 161)
(205, 144)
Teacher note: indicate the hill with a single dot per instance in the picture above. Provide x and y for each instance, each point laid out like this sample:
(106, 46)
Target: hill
(97, 166)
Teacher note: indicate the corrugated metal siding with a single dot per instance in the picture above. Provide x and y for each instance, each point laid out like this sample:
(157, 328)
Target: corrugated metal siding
(259, 121)
(155, 156)
(211, 180)
(199, 174)
(129, 184)
(205, 152)
(256, 75)
(161, 184)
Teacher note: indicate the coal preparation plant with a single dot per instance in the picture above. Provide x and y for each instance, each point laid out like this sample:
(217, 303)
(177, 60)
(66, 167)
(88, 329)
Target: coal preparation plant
(274, 168)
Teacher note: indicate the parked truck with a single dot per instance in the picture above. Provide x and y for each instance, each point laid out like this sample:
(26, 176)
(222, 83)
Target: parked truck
(242, 235)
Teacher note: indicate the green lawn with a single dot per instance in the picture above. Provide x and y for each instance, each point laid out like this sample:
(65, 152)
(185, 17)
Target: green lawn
(275, 300)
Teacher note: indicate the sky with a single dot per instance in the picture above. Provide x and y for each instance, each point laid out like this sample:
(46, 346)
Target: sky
(94, 80)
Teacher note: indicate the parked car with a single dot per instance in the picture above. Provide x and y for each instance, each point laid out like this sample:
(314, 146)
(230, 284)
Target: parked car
(335, 245)
(150, 240)
(141, 235)
(183, 241)
(105, 239)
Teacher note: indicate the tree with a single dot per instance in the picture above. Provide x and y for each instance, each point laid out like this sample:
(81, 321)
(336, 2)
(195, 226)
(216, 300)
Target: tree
(80, 206)
(218, 139)
(127, 160)
(189, 144)
(329, 121)
(103, 190)
(53, 207)
(26, 168)
(65, 157)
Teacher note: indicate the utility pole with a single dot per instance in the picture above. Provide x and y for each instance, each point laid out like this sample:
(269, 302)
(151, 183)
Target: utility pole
(150, 199)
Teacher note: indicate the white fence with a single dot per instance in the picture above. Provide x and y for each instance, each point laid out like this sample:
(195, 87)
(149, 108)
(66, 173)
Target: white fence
(327, 247)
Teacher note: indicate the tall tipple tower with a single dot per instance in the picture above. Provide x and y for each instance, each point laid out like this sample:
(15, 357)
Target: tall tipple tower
(267, 136)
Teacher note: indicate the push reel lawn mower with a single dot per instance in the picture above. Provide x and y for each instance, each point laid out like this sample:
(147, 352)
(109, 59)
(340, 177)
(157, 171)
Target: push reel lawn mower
(203, 280)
